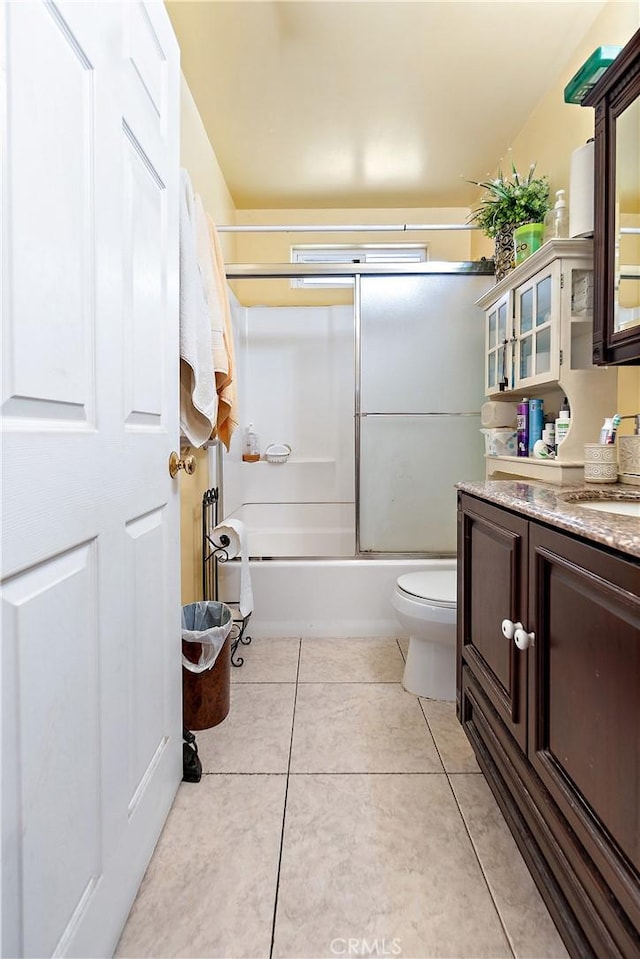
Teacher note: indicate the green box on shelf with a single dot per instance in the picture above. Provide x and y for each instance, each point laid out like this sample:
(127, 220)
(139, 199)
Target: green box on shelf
(589, 73)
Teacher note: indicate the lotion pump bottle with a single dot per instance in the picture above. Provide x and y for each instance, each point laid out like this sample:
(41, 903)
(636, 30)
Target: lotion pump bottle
(556, 221)
(563, 423)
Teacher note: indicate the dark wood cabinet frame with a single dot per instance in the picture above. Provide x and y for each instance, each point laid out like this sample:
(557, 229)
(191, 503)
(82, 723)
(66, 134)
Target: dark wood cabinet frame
(612, 94)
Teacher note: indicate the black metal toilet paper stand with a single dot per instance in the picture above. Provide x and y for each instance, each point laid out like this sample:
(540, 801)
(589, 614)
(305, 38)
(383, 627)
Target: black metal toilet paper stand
(213, 553)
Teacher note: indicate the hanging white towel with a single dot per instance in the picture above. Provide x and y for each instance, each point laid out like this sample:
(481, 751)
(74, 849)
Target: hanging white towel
(198, 396)
(236, 532)
(207, 267)
(227, 391)
(212, 268)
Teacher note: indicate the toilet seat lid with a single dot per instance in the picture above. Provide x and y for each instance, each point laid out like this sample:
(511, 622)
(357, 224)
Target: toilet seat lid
(438, 586)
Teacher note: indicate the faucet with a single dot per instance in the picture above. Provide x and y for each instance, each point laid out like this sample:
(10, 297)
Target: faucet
(636, 417)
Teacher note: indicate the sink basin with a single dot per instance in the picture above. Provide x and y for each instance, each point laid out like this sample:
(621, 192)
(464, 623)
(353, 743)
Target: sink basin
(619, 506)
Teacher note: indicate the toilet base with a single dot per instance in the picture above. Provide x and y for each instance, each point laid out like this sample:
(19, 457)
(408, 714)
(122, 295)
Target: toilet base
(430, 670)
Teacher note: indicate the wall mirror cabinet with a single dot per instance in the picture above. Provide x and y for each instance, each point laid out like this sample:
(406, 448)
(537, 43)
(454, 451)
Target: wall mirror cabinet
(616, 99)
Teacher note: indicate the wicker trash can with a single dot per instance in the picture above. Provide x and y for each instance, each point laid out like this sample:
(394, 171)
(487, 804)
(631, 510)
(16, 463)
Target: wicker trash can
(206, 694)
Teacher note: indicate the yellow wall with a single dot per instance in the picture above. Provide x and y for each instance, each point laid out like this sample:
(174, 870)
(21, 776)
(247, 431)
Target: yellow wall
(556, 128)
(628, 396)
(199, 159)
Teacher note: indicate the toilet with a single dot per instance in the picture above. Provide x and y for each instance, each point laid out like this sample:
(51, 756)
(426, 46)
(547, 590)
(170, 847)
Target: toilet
(425, 605)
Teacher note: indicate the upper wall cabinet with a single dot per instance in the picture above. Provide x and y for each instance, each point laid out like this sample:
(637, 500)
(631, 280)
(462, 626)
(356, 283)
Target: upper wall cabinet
(538, 319)
(616, 99)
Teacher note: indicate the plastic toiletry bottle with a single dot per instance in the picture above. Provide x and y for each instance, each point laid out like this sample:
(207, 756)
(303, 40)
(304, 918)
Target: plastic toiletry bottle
(556, 221)
(549, 437)
(251, 445)
(522, 427)
(536, 422)
(563, 422)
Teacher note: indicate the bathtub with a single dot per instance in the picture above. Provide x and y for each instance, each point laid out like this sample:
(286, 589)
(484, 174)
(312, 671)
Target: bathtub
(295, 595)
(298, 529)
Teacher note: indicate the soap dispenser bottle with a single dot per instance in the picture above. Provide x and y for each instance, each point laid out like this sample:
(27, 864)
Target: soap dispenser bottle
(556, 221)
(251, 445)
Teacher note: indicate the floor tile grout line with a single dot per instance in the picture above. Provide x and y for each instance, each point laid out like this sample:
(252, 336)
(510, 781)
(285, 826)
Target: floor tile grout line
(284, 808)
(347, 772)
(318, 682)
(432, 734)
(466, 828)
(482, 870)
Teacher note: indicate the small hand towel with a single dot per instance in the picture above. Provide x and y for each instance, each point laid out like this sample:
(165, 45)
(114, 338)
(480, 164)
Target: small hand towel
(198, 396)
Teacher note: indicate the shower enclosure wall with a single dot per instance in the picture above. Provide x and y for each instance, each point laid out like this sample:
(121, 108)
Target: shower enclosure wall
(380, 404)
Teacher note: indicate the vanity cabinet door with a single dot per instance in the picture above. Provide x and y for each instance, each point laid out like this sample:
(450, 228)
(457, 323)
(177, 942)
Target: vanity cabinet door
(584, 700)
(492, 578)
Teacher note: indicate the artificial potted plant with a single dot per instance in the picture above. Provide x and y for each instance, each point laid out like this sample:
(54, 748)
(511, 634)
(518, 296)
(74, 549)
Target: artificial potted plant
(510, 202)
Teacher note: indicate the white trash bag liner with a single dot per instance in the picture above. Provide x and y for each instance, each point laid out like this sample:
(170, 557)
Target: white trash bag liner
(209, 624)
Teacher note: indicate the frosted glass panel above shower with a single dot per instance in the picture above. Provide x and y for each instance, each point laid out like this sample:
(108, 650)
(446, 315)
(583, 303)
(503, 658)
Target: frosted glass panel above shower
(408, 496)
(422, 343)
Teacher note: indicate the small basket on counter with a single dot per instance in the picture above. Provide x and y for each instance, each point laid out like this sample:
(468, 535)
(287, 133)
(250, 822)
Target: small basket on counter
(277, 453)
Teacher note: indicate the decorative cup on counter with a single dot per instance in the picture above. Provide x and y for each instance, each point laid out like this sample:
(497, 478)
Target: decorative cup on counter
(600, 463)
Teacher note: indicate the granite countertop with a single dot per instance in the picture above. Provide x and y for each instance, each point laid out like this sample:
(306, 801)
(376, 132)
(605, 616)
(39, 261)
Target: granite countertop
(559, 506)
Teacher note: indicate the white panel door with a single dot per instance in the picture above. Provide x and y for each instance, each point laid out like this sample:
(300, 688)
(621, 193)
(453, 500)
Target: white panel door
(90, 654)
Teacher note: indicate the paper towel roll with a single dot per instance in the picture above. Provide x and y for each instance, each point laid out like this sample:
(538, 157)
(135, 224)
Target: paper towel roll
(235, 532)
(495, 414)
(581, 191)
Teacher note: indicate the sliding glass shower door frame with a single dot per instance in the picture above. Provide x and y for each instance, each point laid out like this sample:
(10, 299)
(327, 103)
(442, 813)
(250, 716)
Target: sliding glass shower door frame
(290, 271)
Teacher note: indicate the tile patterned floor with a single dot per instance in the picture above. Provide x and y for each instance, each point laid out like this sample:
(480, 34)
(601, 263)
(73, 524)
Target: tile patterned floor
(339, 816)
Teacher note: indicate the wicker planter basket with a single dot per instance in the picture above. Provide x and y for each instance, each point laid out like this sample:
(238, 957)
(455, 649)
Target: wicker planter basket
(504, 254)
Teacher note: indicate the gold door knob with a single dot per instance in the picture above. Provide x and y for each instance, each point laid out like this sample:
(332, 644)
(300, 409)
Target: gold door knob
(188, 464)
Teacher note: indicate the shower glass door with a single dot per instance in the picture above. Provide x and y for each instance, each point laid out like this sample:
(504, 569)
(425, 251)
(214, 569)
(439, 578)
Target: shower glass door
(421, 389)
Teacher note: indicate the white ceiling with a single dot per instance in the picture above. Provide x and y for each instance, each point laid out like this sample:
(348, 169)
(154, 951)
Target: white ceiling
(313, 103)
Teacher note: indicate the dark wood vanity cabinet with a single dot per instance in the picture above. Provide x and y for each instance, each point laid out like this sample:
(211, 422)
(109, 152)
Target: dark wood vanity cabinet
(556, 726)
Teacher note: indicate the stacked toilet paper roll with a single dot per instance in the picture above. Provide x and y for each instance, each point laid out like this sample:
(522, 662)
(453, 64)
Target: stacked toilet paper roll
(581, 191)
(494, 414)
(232, 535)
